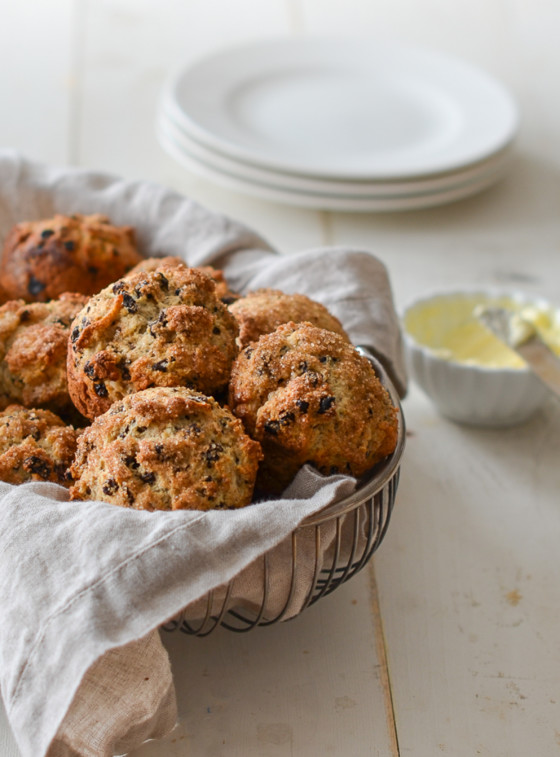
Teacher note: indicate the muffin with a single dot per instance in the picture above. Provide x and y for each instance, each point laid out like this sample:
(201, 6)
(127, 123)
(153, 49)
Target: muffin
(222, 288)
(43, 259)
(160, 328)
(35, 445)
(152, 264)
(33, 347)
(166, 449)
(262, 311)
(309, 397)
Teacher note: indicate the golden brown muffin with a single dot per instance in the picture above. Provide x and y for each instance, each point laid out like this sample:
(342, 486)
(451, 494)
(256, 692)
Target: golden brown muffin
(262, 311)
(222, 288)
(166, 449)
(309, 397)
(161, 328)
(35, 445)
(152, 264)
(43, 259)
(33, 350)
(226, 295)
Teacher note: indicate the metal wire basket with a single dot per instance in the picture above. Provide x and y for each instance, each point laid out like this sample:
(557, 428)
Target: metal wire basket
(326, 550)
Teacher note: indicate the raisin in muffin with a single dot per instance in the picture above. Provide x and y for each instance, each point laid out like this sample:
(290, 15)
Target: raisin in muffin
(33, 351)
(222, 288)
(309, 397)
(78, 253)
(262, 311)
(35, 445)
(160, 328)
(166, 449)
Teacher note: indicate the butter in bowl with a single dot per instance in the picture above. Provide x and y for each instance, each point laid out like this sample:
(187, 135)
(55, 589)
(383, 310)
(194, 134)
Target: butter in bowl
(468, 373)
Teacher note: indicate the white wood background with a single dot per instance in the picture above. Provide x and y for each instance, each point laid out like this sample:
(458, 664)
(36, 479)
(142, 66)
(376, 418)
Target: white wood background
(453, 647)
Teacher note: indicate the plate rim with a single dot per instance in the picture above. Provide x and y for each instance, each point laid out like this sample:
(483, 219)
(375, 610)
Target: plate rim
(496, 164)
(333, 203)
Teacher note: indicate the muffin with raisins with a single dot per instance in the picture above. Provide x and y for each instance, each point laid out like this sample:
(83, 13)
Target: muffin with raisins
(33, 351)
(159, 328)
(167, 448)
(35, 445)
(222, 287)
(262, 311)
(77, 253)
(309, 397)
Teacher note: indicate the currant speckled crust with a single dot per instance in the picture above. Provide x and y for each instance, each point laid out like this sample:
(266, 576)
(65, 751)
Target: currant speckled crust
(33, 350)
(263, 310)
(309, 397)
(35, 445)
(78, 253)
(166, 449)
(160, 328)
(222, 288)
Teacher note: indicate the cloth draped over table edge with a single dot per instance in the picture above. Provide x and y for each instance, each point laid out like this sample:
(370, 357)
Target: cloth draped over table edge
(65, 627)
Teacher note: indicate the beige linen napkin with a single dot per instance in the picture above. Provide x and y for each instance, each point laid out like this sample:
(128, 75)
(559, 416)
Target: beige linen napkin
(85, 586)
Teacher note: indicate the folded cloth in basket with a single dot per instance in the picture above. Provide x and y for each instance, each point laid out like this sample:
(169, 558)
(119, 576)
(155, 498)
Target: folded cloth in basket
(85, 586)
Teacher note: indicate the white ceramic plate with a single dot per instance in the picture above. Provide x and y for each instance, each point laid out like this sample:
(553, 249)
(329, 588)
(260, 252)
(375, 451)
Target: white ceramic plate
(352, 109)
(496, 165)
(372, 204)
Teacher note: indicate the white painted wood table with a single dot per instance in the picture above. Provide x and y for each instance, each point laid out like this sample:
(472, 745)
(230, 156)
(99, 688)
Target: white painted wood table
(452, 646)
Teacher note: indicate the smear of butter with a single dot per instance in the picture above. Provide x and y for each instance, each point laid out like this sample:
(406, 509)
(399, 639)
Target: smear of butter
(449, 328)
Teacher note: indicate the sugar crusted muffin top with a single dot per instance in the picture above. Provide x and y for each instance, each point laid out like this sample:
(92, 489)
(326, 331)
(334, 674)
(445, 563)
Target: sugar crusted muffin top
(166, 449)
(160, 328)
(78, 253)
(33, 350)
(35, 445)
(309, 397)
(263, 310)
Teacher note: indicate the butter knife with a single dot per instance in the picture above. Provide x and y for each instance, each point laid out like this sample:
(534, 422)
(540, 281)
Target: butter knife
(522, 337)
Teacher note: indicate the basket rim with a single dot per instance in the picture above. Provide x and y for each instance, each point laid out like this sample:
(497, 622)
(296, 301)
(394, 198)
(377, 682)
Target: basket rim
(382, 473)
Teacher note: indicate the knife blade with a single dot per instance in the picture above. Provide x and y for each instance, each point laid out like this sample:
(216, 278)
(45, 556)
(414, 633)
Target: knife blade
(522, 337)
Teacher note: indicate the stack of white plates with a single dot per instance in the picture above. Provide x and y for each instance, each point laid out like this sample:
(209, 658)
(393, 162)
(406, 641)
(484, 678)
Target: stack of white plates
(354, 125)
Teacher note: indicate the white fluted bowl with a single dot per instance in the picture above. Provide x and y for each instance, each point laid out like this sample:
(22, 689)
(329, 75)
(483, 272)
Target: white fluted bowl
(477, 395)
